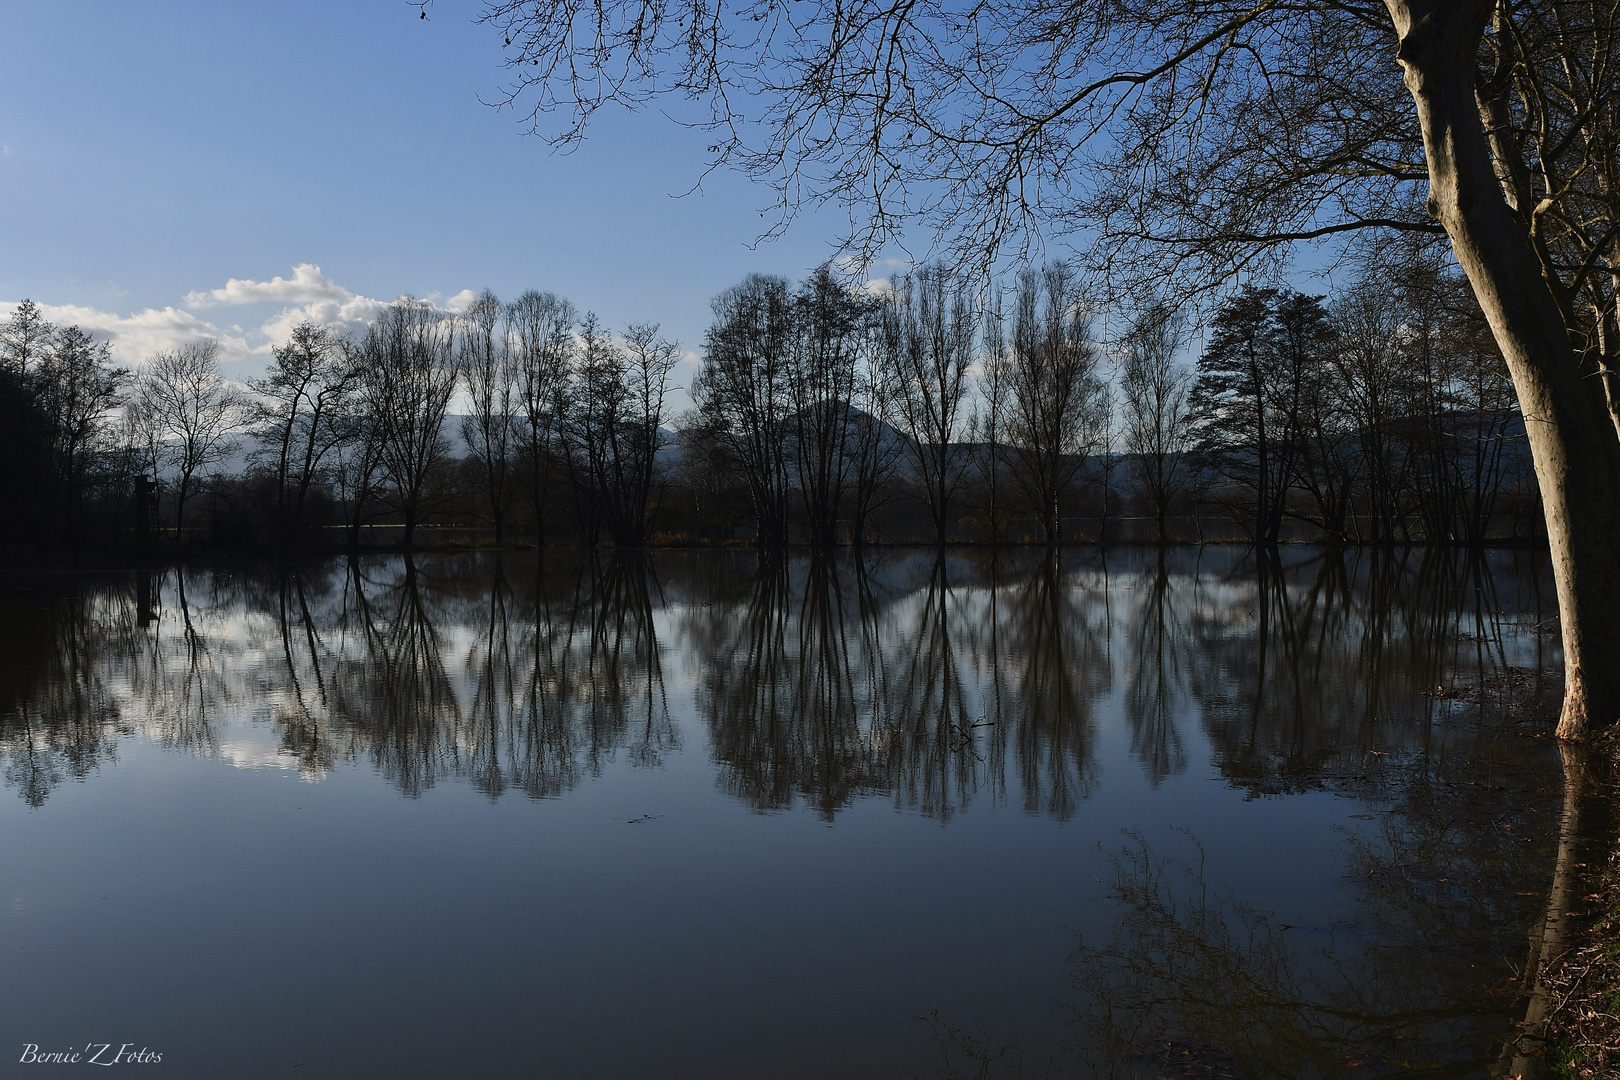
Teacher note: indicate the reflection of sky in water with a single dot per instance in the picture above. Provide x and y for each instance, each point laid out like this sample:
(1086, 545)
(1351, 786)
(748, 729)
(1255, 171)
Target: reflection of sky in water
(780, 814)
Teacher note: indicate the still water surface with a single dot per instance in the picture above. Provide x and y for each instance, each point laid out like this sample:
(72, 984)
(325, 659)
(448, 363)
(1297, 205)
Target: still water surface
(1109, 815)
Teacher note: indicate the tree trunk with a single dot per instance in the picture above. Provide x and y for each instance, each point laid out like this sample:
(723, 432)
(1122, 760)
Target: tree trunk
(1572, 440)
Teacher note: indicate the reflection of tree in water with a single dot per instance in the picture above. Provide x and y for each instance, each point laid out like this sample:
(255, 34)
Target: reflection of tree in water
(1450, 873)
(932, 756)
(608, 668)
(393, 692)
(428, 668)
(89, 659)
(1313, 676)
(906, 678)
(784, 696)
(189, 686)
(1156, 694)
(930, 679)
(302, 708)
(560, 674)
(1418, 975)
(59, 719)
(1304, 668)
(1057, 650)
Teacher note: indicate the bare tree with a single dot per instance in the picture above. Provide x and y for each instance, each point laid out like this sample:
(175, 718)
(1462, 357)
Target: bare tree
(410, 374)
(541, 328)
(875, 446)
(491, 368)
(356, 463)
(302, 396)
(189, 414)
(990, 421)
(1057, 396)
(1158, 430)
(823, 365)
(928, 335)
(651, 358)
(1367, 363)
(24, 339)
(612, 429)
(592, 406)
(744, 396)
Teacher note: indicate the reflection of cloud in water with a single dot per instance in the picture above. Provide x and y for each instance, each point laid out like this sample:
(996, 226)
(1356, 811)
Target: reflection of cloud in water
(249, 755)
(932, 680)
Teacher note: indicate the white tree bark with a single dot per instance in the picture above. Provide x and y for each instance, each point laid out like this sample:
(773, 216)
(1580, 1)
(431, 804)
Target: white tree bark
(1572, 440)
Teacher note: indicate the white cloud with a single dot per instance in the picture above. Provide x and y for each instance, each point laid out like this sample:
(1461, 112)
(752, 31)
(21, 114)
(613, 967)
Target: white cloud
(309, 294)
(461, 301)
(307, 285)
(854, 266)
(134, 337)
(350, 315)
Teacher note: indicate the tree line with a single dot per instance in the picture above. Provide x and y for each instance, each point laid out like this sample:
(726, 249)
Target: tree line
(931, 407)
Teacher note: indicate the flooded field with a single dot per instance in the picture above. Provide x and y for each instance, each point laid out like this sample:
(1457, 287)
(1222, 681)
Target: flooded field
(1109, 814)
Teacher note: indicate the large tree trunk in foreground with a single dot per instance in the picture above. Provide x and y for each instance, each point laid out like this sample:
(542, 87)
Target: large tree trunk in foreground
(1572, 441)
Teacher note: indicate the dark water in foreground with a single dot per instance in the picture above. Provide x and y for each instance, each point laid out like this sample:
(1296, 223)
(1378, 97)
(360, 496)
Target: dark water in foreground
(1109, 816)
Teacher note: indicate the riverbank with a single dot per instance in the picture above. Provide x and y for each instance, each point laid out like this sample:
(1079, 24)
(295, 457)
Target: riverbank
(1583, 1028)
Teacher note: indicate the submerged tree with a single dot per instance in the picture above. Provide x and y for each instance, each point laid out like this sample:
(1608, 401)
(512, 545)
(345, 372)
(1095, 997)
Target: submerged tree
(1250, 397)
(490, 368)
(743, 392)
(541, 327)
(410, 375)
(1057, 394)
(989, 425)
(1154, 389)
(824, 369)
(612, 429)
(928, 335)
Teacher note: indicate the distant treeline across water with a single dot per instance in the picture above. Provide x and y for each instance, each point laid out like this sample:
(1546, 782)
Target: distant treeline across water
(933, 409)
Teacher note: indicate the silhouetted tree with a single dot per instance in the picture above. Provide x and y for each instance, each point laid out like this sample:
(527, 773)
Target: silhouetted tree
(77, 388)
(824, 366)
(928, 333)
(410, 375)
(1263, 351)
(989, 425)
(612, 429)
(189, 415)
(1157, 413)
(491, 368)
(303, 398)
(1057, 395)
(541, 328)
(744, 396)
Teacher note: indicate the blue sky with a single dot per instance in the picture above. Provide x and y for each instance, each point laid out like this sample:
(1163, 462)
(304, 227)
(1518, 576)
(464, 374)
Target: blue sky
(150, 153)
